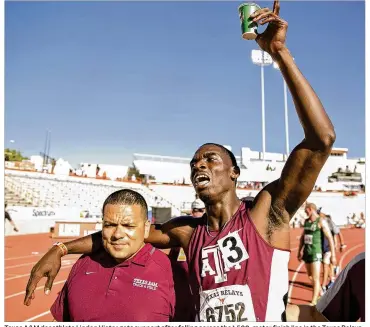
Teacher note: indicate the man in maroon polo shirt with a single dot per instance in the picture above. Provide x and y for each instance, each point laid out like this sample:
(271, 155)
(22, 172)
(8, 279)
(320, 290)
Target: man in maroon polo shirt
(126, 280)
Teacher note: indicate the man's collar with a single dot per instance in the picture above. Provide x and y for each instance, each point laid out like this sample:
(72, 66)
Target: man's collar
(141, 258)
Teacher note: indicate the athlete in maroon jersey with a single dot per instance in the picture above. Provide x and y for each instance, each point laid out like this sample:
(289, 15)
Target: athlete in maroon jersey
(261, 233)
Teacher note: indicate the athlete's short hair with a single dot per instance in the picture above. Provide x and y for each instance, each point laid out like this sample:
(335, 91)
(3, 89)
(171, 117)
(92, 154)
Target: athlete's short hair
(225, 150)
(128, 197)
(311, 206)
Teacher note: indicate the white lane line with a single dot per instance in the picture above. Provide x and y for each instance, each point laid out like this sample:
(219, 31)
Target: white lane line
(20, 276)
(345, 254)
(26, 256)
(64, 262)
(293, 280)
(21, 265)
(38, 316)
(36, 289)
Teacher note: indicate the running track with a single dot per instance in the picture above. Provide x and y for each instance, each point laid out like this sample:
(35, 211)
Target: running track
(22, 252)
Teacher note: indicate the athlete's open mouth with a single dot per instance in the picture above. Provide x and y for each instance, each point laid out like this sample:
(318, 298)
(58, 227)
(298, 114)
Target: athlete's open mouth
(201, 180)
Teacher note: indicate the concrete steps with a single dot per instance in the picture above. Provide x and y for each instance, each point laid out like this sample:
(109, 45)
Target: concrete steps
(13, 199)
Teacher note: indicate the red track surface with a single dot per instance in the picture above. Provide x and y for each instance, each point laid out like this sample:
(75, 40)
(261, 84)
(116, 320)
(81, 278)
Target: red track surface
(22, 252)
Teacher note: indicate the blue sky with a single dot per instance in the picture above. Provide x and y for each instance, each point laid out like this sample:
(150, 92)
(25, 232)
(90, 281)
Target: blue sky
(111, 79)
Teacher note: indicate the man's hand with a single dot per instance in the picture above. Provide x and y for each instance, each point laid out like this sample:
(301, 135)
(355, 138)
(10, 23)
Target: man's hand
(299, 256)
(303, 313)
(48, 266)
(272, 40)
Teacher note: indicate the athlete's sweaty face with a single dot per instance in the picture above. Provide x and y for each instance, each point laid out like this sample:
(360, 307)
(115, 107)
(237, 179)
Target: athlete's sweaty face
(212, 173)
(124, 230)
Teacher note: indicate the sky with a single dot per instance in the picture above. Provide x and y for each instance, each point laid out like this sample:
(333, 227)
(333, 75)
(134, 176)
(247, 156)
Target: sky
(116, 78)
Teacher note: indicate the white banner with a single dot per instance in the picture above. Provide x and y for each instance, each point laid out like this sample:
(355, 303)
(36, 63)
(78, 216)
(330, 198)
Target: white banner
(38, 213)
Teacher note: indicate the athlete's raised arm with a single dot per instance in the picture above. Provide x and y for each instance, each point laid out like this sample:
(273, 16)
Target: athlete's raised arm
(284, 196)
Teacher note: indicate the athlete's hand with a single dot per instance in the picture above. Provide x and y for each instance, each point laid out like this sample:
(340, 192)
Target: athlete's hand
(272, 40)
(299, 256)
(48, 266)
(333, 260)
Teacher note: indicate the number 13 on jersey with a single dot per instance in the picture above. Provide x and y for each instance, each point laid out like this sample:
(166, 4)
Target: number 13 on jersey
(232, 249)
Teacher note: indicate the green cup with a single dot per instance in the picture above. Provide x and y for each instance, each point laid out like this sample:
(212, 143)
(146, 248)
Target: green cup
(249, 29)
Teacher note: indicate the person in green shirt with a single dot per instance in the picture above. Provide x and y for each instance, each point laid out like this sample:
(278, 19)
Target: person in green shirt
(310, 242)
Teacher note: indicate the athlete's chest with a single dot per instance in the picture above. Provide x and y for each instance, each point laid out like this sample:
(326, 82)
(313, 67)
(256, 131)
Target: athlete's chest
(311, 227)
(221, 259)
(232, 273)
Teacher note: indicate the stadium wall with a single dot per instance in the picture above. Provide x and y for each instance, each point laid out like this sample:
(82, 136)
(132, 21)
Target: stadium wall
(34, 220)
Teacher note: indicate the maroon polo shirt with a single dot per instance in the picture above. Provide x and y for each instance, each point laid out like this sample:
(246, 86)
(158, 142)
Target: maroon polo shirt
(98, 289)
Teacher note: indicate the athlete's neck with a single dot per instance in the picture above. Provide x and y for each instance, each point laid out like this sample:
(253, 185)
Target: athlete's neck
(221, 212)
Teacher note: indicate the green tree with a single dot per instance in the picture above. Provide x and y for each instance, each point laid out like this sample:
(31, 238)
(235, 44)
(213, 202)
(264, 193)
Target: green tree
(13, 155)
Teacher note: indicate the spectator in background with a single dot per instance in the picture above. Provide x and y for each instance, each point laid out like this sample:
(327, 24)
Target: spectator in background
(361, 221)
(8, 218)
(198, 208)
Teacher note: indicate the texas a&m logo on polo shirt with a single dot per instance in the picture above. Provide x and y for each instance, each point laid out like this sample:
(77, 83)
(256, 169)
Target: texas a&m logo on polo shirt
(145, 284)
(218, 259)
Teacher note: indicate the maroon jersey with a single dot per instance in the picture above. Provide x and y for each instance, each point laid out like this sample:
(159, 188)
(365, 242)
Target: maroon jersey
(235, 274)
(185, 308)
